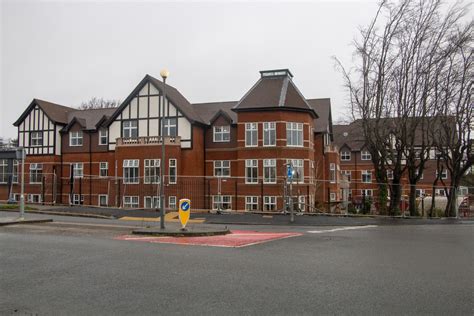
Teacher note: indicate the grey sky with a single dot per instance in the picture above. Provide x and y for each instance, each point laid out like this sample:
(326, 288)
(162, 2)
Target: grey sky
(67, 52)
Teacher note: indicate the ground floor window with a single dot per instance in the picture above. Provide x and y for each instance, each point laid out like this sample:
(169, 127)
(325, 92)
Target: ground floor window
(366, 192)
(440, 192)
(221, 202)
(34, 198)
(332, 196)
(152, 201)
(251, 203)
(77, 199)
(420, 192)
(103, 200)
(269, 203)
(130, 201)
(172, 202)
(301, 203)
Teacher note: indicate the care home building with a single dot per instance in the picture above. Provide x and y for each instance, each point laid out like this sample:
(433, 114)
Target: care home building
(223, 155)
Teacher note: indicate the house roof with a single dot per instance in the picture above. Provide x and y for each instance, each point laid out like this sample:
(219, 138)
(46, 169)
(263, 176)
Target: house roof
(55, 112)
(207, 111)
(275, 89)
(323, 107)
(350, 135)
(91, 117)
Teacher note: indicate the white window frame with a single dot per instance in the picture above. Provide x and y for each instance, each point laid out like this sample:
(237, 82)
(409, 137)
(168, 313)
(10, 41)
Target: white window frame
(103, 137)
(420, 192)
(129, 164)
(172, 166)
(294, 134)
(77, 170)
(332, 172)
(251, 203)
(224, 201)
(34, 175)
(269, 134)
(444, 174)
(332, 196)
(366, 173)
(346, 155)
(76, 138)
(4, 171)
(222, 165)
(106, 199)
(221, 134)
(389, 174)
(151, 202)
(251, 164)
(269, 203)
(32, 196)
(133, 201)
(269, 165)
(302, 203)
(15, 171)
(348, 174)
(251, 134)
(103, 165)
(77, 199)
(36, 139)
(298, 168)
(172, 202)
(129, 128)
(149, 166)
(368, 192)
(169, 124)
(365, 155)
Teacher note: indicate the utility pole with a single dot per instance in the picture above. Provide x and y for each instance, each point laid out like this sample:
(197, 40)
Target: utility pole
(164, 74)
(22, 192)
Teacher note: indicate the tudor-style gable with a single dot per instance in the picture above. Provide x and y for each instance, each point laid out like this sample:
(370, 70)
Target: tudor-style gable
(145, 114)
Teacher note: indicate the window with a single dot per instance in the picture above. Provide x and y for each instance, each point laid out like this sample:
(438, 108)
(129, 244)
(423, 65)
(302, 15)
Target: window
(269, 134)
(332, 196)
(221, 202)
(332, 172)
(269, 203)
(251, 134)
(222, 168)
(251, 171)
(298, 169)
(36, 172)
(78, 169)
(444, 174)
(420, 193)
(130, 201)
(34, 198)
(347, 173)
(130, 171)
(152, 171)
(36, 139)
(169, 127)
(4, 171)
(103, 200)
(327, 139)
(294, 134)
(421, 176)
(75, 138)
(77, 199)
(172, 171)
(301, 203)
(103, 135)
(365, 155)
(103, 169)
(440, 192)
(345, 155)
(251, 203)
(366, 192)
(221, 134)
(390, 174)
(152, 202)
(16, 164)
(172, 202)
(130, 129)
(366, 176)
(269, 170)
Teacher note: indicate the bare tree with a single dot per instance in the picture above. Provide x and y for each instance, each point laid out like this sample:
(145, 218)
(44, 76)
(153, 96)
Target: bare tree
(99, 103)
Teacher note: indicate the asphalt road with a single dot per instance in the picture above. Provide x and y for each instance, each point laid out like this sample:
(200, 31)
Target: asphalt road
(75, 267)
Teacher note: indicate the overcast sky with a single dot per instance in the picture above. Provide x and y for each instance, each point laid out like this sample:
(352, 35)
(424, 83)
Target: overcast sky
(68, 52)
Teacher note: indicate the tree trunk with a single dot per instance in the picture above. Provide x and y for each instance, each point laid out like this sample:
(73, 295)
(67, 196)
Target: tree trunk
(395, 198)
(450, 210)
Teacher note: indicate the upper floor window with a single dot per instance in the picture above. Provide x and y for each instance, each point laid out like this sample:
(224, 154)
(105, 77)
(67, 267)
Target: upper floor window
(345, 155)
(15, 171)
(251, 134)
(4, 171)
(169, 127)
(222, 168)
(332, 172)
(366, 176)
(172, 170)
(269, 170)
(251, 171)
(444, 174)
(130, 171)
(221, 134)
(103, 169)
(365, 155)
(103, 135)
(347, 173)
(294, 134)
(75, 138)
(77, 169)
(152, 171)
(36, 139)
(36, 172)
(390, 174)
(298, 169)
(269, 134)
(130, 129)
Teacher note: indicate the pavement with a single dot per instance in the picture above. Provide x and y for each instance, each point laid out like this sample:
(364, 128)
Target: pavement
(16, 220)
(84, 266)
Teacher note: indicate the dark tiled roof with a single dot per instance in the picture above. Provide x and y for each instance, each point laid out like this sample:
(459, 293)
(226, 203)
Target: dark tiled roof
(56, 112)
(323, 108)
(350, 135)
(207, 111)
(90, 117)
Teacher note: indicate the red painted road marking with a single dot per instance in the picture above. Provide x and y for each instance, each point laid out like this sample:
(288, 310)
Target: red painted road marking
(236, 239)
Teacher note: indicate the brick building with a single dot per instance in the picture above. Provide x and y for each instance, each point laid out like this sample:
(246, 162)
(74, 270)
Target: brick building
(227, 155)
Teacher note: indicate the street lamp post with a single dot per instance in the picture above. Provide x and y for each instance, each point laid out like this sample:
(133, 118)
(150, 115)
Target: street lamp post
(164, 74)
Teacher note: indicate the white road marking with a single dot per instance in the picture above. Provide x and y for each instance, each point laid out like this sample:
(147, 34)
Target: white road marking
(340, 229)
